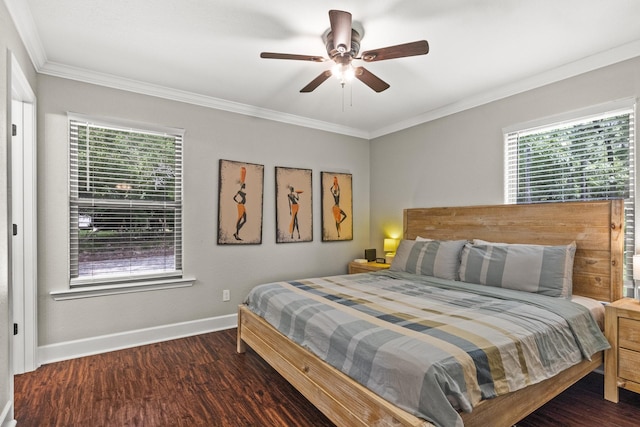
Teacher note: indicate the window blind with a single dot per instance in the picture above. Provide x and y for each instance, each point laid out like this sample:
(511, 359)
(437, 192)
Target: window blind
(590, 158)
(125, 203)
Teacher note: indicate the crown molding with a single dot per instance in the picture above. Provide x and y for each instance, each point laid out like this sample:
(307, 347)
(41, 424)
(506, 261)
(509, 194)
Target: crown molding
(572, 69)
(590, 63)
(26, 26)
(115, 82)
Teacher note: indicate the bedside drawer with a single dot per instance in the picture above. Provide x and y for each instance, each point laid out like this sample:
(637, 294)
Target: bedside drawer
(354, 269)
(628, 362)
(629, 334)
(366, 267)
(621, 361)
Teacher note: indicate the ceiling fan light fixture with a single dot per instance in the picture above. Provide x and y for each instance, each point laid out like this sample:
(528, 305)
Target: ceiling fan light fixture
(343, 72)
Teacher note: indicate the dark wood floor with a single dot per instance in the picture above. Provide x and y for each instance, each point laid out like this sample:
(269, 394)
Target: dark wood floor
(202, 381)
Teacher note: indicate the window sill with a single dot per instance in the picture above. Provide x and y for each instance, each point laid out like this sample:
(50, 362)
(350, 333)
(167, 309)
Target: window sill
(121, 288)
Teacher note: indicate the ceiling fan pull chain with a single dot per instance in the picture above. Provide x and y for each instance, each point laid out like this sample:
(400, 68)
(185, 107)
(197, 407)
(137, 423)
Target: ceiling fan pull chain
(351, 95)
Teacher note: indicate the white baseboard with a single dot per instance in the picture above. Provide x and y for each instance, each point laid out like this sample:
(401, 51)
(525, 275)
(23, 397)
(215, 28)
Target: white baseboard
(6, 416)
(105, 343)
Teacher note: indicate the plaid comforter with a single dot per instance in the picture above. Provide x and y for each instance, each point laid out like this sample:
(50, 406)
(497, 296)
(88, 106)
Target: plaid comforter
(430, 346)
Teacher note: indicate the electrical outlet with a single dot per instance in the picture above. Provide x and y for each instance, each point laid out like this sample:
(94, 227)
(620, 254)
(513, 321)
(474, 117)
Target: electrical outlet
(226, 296)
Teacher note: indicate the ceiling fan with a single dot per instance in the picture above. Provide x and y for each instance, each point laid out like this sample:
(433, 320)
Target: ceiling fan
(343, 43)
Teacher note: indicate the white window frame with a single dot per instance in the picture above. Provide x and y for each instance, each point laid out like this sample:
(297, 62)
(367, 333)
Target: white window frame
(91, 287)
(610, 108)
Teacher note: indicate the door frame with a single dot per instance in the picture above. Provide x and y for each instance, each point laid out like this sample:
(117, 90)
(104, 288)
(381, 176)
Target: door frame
(24, 260)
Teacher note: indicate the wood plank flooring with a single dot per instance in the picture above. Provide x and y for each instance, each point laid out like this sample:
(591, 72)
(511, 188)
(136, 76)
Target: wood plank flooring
(202, 381)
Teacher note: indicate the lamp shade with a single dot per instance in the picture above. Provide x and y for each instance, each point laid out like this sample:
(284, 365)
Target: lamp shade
(636, 267)
(390, 245)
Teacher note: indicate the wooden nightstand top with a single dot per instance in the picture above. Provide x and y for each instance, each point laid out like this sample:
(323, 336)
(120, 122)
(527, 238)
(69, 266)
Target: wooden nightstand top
(626, 307)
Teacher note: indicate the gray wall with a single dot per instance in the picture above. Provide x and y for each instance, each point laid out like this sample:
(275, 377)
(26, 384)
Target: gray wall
(210, 135)
(458, 160)
(9, 43)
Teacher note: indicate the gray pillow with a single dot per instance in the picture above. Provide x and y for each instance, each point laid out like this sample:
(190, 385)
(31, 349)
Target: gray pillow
(546, 270)
(437, 258)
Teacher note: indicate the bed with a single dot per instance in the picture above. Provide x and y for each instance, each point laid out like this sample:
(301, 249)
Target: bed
(595, 227)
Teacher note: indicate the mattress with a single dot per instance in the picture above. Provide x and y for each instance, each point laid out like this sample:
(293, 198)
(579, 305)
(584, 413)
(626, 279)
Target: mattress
(430, 346)
(596, 308)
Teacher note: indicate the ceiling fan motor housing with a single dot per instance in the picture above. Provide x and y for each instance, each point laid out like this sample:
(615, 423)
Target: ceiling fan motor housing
(334, 52)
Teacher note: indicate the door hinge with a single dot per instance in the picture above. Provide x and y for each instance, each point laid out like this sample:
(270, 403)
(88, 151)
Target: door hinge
(15, 229)
(15, 329)
(14, 130)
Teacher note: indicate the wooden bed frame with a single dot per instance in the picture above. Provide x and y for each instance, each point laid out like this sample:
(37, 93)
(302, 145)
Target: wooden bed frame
(597, 229)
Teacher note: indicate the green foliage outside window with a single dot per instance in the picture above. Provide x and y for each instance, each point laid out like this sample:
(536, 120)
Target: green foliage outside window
(571, 164)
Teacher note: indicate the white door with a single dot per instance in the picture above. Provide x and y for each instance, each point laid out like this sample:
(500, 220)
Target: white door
(24, 218)
(17, 241)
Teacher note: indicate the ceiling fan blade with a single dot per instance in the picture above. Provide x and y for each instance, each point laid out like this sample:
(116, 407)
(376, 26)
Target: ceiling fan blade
(316, 82)
(399, 51)
(341, 30)
(370, 79)
(271, 55)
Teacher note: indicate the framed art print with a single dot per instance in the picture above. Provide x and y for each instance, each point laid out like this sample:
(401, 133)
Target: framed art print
(240, 196)
(294, 205)
(337, 206)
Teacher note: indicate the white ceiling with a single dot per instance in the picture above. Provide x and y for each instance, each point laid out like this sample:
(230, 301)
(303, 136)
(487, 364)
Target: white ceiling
(207, 52)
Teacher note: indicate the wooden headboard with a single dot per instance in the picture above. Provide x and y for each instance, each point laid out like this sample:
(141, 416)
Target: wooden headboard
(597, 228)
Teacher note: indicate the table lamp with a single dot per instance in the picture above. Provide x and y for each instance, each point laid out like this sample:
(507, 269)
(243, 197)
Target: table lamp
(390, 246)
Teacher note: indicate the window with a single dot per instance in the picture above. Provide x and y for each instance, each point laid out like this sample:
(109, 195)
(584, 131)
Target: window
(585, 158)
(125, 203)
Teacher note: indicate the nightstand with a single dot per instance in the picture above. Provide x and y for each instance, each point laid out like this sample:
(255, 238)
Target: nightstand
(366, 267)
(621, 362)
